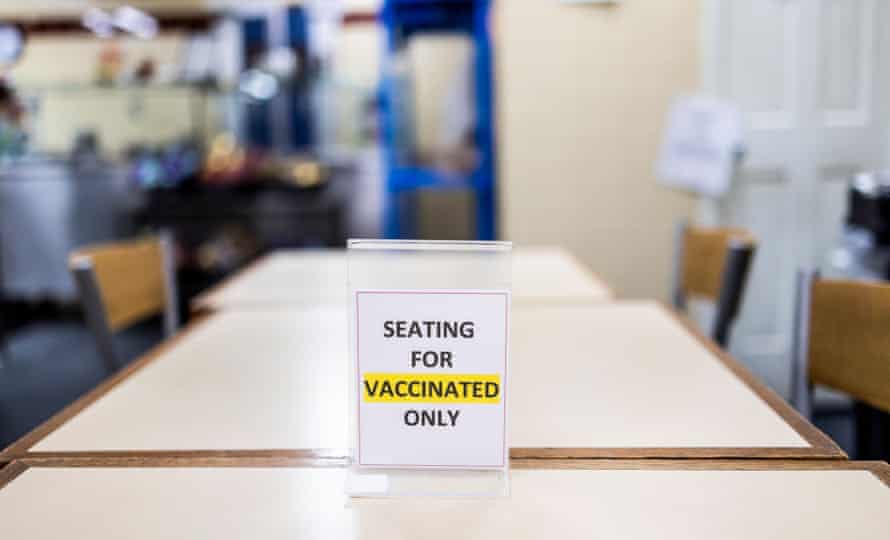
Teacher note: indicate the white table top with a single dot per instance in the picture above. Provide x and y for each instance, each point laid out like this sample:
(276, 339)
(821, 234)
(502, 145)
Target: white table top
(308, 503)
(617, 375)
(544, 274)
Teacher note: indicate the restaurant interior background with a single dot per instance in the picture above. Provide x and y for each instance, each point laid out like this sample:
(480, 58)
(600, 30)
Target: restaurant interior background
(243, 127)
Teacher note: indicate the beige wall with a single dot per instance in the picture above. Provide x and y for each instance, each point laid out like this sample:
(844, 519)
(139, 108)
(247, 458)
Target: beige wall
(59, 72)
(355, 68)
(57, 60)
(357, 55)
(436, 62)
(583, 91)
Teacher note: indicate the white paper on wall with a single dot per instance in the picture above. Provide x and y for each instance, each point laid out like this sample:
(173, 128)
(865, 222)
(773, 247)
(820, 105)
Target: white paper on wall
(701, 140)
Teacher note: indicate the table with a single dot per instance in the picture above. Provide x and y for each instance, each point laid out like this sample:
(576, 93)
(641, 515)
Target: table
(689, 500)
(623, 379)
(287, 278)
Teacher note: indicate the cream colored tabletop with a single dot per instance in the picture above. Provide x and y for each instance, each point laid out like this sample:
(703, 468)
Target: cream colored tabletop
(308, 503)
(543, 274)
(619, 379)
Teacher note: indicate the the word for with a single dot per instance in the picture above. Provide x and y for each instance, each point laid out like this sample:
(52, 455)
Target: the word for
(432, 359)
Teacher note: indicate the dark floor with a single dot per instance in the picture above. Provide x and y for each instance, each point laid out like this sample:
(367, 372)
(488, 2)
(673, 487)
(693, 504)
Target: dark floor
(840, 426)
(45, 366)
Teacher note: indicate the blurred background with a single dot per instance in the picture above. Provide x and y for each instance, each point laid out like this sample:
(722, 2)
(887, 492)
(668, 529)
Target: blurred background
(243, 127)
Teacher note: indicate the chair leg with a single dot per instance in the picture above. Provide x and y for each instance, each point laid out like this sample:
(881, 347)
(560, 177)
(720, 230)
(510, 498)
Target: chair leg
(95, 315)
(4, 349)
(732, 288)
(862, 430)
(885, 440)
(872, 427)
(801, 388)
(678, 295)
(171, 291)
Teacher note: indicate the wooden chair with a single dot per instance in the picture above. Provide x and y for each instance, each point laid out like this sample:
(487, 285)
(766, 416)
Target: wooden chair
(713, 263)
(123, 283)
(841, 340)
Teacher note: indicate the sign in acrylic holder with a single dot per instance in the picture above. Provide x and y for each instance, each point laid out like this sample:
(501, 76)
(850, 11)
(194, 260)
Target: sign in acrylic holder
(429, 326)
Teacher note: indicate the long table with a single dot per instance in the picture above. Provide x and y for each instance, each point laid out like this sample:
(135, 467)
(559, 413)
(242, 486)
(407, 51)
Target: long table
(688, 500)
(307, 277)
(624, 379)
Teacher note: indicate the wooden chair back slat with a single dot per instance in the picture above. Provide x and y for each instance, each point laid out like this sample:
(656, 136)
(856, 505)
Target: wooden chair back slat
(130, 279)
(849, 339)
(705, 253)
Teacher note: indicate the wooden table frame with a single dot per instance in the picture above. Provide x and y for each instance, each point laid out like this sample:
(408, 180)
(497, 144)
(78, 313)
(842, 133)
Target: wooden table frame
(879, 469)
(821, 446)
(202, 305)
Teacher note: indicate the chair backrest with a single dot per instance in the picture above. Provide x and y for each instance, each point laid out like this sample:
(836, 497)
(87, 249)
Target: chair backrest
(123, 283)
(842, 340)
(713, 263)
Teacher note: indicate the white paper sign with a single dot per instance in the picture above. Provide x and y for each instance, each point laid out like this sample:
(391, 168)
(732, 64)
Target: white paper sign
(700, 144)
(432, 372)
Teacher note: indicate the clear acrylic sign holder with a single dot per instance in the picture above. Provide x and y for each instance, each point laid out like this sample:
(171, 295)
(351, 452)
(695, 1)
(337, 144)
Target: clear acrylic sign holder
(433, 267)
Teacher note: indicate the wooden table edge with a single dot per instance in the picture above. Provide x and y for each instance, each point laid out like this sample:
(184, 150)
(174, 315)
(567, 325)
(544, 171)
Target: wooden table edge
(821, 447)
(516, 453)
(810, 433)
(879, 469)
(11, 471)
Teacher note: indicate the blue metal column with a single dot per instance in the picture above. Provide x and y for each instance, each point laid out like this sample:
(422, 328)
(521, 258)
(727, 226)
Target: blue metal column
(403, 19)
(255, 39)
(392, 223)
(484, 177)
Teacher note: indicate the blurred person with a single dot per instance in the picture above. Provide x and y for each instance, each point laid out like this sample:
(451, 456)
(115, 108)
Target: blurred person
(12, 136)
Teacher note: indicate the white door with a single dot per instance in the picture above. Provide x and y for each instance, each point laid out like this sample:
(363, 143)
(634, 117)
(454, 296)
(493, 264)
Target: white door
(810, 78)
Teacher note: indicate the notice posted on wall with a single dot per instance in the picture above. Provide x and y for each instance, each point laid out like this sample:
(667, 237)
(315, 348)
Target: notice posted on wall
(432, 372)
(701, 145)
